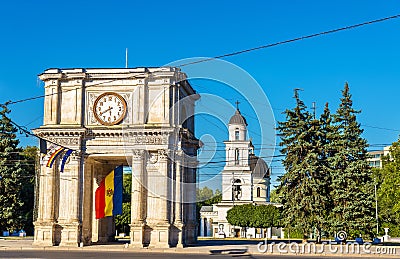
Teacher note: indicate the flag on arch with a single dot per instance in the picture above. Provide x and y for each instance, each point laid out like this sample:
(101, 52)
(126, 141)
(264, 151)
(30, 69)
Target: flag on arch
(108, 199)
(49, 152)
(54, 156)
(64, 159)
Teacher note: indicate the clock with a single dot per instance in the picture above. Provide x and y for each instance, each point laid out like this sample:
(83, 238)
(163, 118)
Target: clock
(109, 108)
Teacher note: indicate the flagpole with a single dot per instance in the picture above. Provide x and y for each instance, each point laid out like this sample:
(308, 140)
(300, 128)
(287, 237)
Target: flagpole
(126, 58)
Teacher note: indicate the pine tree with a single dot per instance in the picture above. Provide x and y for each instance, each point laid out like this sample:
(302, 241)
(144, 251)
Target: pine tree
(30, 156)
(352, 185)
(304, 185)
(321, 132)
(12, 175)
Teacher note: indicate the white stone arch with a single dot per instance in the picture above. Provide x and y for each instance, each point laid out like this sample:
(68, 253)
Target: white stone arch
(160, 219)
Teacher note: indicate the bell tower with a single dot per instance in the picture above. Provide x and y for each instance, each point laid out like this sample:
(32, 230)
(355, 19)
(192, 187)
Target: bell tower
(236, 176)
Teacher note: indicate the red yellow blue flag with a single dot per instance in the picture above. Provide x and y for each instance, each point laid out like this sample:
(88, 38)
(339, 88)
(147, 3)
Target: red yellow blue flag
(53, 157)
(109, 194)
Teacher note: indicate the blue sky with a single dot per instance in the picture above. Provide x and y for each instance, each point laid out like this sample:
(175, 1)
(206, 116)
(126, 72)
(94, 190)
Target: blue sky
(36, 35)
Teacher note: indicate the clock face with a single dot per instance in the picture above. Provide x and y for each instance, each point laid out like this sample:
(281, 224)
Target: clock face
(109, 108)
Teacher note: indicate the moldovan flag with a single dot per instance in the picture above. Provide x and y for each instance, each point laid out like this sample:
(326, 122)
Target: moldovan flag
(109, 194)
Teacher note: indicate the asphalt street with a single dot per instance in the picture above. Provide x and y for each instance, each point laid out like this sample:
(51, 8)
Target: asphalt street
(104, 254)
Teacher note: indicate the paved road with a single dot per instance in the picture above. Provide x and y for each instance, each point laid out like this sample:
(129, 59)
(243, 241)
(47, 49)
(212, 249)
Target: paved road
(122, 255)
(204, 248)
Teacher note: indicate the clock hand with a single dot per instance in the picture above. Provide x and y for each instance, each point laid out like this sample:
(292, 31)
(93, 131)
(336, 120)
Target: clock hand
(109, 109)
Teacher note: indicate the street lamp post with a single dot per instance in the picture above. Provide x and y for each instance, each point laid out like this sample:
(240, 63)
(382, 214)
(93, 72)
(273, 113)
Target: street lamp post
(376, 211)
(233, 185)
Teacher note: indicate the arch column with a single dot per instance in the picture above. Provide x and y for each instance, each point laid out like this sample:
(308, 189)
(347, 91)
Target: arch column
(179, 223)
(190, 203)
(71, 224)
(45, 223)
(138, 199)
(161, 186)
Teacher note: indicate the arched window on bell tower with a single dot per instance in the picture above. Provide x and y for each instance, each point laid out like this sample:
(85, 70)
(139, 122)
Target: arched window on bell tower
(258, 192)
(237, 134)
(237, 156)
(237, 190)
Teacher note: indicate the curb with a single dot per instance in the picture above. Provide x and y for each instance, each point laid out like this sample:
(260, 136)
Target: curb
(239, 250)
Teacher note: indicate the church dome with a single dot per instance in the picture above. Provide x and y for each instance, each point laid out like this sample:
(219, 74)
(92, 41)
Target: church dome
(259, 168)
(238, 119)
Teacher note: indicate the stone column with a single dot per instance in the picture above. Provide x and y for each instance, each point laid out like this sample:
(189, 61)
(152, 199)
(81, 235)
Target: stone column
(269, 232)
(160, 236)
(191, 225)
(179, 223)
(138, 201)
(202, 227)
(209, 228)
(87, 214)
(99, 226)
(71, 227)
(45, 223)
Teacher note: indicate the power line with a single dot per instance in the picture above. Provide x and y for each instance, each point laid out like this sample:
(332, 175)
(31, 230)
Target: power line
(381, 128)
(57, 93)
(293, 40)
(238, 52)
(23, 129)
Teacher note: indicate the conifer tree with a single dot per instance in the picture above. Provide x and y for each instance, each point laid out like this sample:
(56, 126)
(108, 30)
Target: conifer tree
(304, 185)
(12, 176)
(352, 185)
(321, 133)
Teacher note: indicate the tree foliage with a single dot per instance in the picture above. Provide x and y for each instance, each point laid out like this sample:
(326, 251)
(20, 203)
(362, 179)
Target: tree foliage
(16, 178)
(327, 184)
(266, 216)
(352, 185)
(30, 156)
(257, 216)
(122, 221)
(241, 215)
(203, 194)
(304, 185)
(274, 196)
(206, 197)
(389, 191)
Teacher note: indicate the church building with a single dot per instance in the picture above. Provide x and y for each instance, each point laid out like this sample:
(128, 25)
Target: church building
(245, 180)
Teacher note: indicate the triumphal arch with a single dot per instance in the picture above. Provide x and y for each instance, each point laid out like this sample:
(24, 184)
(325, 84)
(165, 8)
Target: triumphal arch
(141, 117)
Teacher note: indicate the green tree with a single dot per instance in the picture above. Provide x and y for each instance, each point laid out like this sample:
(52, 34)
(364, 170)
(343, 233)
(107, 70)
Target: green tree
(274, 196)
(266, 216)
(254, 216)
(30, 156)
(323, 135)
(241, 215)
(352, 185)
(389, 191)
(216, 197)
(204, 193)
(206, 198)
(122, 221)
(304, 186)
(13, 177)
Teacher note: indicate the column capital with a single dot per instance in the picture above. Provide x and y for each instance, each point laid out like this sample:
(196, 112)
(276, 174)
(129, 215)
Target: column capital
(76, 156)
(137, 154)
(162, 154)
(179, 156)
